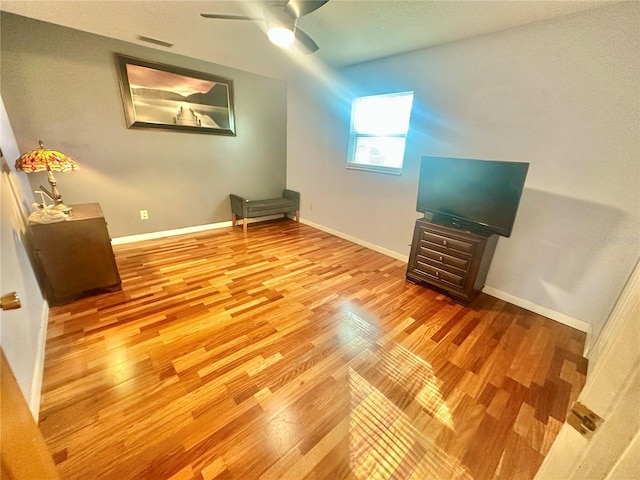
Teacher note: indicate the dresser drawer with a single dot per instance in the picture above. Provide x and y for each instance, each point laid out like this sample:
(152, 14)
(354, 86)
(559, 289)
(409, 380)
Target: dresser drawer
(443, 260)
(435, 273)
(446, 243)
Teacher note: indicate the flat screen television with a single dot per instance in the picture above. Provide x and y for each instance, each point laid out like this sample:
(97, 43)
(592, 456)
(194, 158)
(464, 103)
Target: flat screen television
(476, 195)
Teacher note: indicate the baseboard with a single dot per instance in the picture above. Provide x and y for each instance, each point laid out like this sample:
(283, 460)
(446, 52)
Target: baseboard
(38, 369)
(545, 312)
(182, 231)
(167, 233)
(371, 246)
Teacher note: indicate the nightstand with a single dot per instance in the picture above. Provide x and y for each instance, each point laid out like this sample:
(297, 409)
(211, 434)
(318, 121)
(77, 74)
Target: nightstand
(75, 257)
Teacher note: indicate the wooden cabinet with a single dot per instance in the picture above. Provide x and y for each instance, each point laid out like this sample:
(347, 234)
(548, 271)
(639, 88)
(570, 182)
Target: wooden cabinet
(449, 259)
(75, 257)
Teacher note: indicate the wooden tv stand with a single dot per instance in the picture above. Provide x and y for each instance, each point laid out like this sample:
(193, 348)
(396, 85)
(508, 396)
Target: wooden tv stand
(450, 259)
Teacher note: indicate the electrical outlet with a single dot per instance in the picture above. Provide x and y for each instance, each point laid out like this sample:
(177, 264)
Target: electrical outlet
(144, 215)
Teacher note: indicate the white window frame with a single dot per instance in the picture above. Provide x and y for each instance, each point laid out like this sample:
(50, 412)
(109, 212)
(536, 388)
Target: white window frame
(400, 131)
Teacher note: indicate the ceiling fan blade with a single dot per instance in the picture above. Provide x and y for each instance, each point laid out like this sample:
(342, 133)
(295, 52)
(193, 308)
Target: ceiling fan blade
(229, 17)
(298, 8)
(305, 42)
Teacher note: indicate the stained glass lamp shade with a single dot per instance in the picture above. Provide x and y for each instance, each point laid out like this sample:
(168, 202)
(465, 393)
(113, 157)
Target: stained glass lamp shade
(43, 159)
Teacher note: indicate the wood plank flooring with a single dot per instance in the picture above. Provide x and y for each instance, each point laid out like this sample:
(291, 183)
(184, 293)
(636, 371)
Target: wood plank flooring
(291, 353)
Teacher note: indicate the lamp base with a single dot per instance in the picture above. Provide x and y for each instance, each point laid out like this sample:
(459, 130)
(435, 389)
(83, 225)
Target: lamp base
(54, 195)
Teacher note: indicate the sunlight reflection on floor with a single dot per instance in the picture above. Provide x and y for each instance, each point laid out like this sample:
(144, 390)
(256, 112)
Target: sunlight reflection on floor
(405, 369)
(383, 441)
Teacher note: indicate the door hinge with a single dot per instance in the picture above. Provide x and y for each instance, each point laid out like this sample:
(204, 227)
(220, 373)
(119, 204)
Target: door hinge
(583, 420)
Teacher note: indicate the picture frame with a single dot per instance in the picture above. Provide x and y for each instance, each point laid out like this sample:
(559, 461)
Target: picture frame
(161, 96)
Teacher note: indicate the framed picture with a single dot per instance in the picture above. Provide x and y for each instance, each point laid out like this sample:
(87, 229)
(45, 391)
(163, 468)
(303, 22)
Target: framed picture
(165, 97)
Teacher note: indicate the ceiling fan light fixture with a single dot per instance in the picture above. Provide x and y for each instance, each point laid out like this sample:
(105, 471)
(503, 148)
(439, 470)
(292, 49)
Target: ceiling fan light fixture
(281, 35)
(280, 18)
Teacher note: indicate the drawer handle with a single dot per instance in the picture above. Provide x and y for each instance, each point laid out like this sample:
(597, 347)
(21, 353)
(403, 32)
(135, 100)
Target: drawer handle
(444, 243)
(10, 301)
(437, 274)
(441, 259)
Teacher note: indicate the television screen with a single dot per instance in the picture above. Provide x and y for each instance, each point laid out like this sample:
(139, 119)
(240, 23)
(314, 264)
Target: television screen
(477, 195)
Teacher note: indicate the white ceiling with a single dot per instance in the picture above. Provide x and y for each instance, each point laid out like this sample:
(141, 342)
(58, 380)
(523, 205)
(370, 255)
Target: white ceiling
(348, 32)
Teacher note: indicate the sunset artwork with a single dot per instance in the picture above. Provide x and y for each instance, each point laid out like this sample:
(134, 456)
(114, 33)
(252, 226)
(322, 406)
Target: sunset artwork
(158, 96)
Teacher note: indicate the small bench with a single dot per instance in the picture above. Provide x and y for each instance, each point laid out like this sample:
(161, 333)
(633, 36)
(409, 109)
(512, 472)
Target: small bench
(241, 208)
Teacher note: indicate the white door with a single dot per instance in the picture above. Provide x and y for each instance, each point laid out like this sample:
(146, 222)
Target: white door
(23, 330)
(612, 391)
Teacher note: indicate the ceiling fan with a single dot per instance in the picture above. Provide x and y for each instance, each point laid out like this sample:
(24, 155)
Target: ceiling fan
(280, 19)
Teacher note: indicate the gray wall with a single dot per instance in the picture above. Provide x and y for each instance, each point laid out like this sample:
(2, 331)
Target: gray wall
(563, 95)
(61, 86)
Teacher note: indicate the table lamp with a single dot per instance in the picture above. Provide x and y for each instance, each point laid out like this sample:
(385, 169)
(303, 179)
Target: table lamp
(42, 159)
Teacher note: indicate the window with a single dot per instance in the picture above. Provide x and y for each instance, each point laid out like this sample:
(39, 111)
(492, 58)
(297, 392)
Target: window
(379, 126)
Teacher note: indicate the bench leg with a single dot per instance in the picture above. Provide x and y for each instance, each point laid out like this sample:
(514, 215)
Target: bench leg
(244, 225)
(233, 219)
(298, 216)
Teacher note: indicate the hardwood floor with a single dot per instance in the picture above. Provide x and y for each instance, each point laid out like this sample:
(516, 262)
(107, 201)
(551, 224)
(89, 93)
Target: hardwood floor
(290, 353)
